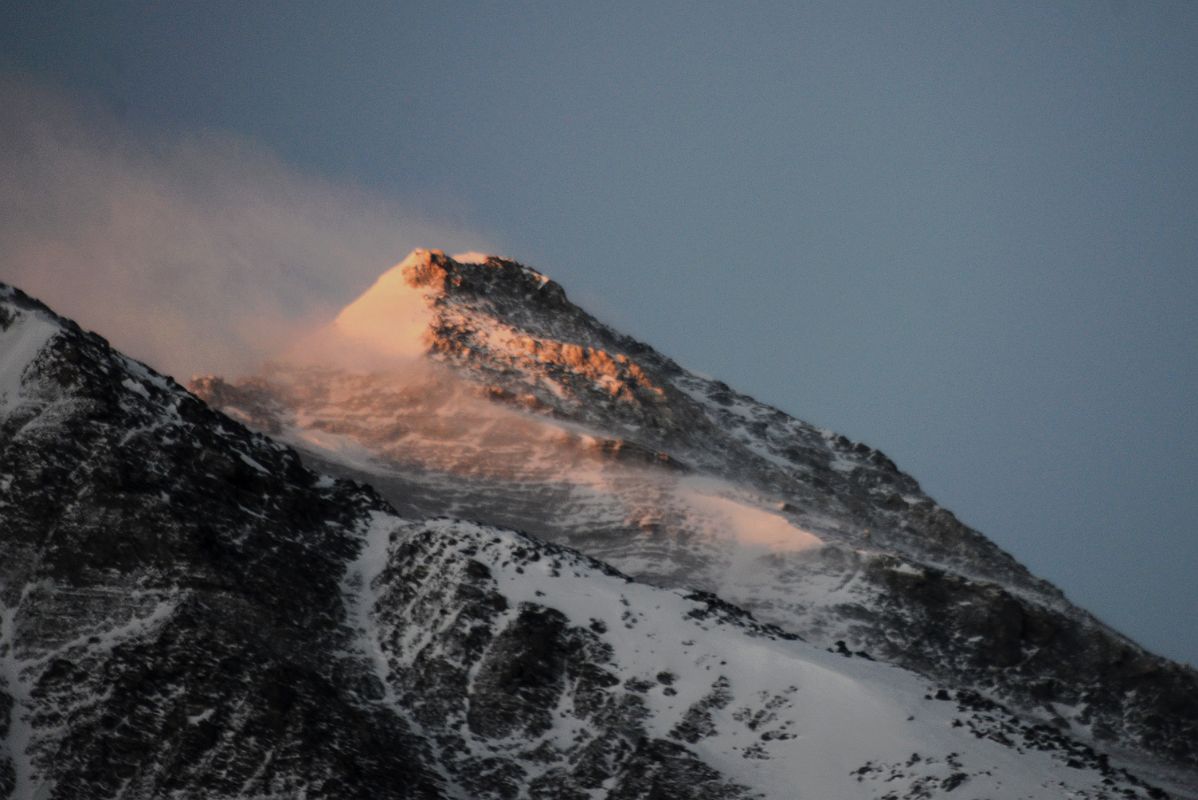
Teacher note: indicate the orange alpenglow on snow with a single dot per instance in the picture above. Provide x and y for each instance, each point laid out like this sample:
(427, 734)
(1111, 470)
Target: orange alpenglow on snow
(385, 326)
(391, 317)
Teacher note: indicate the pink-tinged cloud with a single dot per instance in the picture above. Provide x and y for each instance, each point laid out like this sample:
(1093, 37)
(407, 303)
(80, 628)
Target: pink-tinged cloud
(197, 253)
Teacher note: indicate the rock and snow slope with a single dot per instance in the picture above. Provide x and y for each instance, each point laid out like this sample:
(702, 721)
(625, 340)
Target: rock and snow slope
(171, 594)
(189, 612)
(526, 412)
(507, 649)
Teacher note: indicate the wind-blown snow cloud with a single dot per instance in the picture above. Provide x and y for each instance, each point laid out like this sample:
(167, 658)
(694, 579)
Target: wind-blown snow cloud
(383, 329)
(196, 253)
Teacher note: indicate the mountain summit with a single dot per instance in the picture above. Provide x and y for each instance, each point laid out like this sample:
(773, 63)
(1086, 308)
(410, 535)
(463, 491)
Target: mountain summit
(523, 410)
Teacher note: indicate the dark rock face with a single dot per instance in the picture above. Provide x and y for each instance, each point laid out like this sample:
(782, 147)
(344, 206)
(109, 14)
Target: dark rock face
(209, 708)
(171, 586)
(897, 576)
(1001, 640)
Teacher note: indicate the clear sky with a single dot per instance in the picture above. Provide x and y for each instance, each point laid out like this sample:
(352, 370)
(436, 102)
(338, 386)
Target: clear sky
(965, 233)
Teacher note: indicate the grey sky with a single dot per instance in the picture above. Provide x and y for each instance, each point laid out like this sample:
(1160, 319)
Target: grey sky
(965, 233)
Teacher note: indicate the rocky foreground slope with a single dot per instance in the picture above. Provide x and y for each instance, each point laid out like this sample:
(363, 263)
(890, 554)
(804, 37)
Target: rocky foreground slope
(475, 387)
(171, 594)
(189, 612)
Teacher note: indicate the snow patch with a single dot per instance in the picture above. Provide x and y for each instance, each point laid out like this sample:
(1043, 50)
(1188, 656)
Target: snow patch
(135, 387)
(245, 459)
(361, 597)
(196, 719)
(473, 257)
(27, 334)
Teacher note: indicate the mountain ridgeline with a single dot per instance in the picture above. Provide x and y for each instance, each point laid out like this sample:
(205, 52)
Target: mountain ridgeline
(605, 445)
(564, 568)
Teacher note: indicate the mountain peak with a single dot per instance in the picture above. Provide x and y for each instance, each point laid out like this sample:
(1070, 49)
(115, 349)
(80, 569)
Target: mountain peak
(422, 267)
(475, 273)
(403, 313)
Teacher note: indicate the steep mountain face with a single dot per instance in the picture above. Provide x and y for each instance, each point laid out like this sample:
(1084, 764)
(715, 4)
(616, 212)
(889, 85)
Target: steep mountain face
(171, 594)
(496, 399)
(189, 612)
(541, 673)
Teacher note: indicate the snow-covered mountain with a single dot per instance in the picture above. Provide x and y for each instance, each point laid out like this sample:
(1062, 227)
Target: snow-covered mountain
(473, 387)
(190, 612)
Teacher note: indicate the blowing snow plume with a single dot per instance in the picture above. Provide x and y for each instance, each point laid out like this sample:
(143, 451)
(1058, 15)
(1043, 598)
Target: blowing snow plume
(379, 356)
(196, 253)
(384, 329)
(473, 371)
